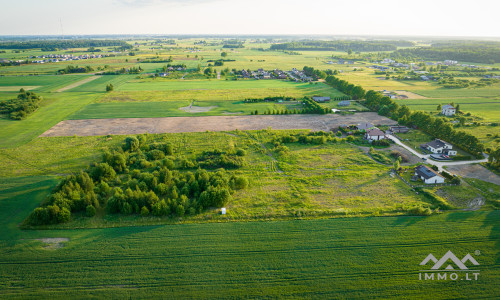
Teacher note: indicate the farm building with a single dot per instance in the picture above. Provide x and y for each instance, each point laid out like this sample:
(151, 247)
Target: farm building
(365, 126)
(439, 146)
(321, 99)
(448, 110)
(374, 134)
(344, 103)
(428, 175)
(399, 129)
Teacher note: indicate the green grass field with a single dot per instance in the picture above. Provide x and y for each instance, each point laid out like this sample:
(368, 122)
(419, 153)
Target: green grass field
(54, 108)
(44, 83)
(335, 258)
(164, 98)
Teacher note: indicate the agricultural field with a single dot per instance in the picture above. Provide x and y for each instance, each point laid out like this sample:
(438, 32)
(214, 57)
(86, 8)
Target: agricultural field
(322, 213)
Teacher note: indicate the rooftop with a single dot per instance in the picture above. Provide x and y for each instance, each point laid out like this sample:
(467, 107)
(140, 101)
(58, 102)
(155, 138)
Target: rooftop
(426, 172)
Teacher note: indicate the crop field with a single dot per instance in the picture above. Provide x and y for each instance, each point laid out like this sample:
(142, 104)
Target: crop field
(360, 257)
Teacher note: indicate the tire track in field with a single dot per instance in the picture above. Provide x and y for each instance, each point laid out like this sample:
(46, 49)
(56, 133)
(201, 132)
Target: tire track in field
(222, 253)
(26, 164)
(76, 84)
(274, 162)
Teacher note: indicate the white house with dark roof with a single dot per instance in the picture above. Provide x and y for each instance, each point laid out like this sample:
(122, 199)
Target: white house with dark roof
(439, 146)
(448, 110)
(321, 99)
(374, 134)
(428, 175)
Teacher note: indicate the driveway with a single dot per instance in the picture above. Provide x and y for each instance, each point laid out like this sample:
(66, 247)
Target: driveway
(439, 164)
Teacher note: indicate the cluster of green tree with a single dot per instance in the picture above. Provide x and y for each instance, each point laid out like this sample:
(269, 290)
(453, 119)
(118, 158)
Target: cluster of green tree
(435, 126)
(65, 44)
(109, 87)
(218, 159)
(269, 99)
(93, 49)
(132, 70)
(314, 73)
(158, 60)
(219, 63)
(19, 108)
(312, 137)
(143, 177)
(453, 83)
(309, 107)
(75, 69)
(355, 91)
(358, 46)
(479, 52)
(210, 71)
(233, 46)
(494, 159)
(14, 63)
(223, 60)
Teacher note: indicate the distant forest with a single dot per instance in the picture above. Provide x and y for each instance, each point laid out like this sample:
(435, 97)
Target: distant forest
(65, 44)
(357, 46)
(478, 52)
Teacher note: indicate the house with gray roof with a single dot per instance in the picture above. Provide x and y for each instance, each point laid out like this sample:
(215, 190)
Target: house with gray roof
(428, 175)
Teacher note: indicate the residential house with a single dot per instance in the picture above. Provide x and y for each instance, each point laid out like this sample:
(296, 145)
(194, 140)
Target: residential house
(428, 175)
(448, 110)
(321, 99)
(439, 146)
(374, 134)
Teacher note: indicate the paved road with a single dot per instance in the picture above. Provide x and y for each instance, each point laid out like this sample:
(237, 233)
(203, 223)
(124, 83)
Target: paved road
(439, 164)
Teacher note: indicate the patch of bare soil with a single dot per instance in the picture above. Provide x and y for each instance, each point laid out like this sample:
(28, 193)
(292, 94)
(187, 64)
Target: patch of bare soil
(93, 127)
(474, 171)
(475, 204)
(197, 109)
(410, 95)
(53, 243)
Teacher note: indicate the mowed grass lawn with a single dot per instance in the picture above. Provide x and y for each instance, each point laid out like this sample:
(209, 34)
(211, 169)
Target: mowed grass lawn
(329, 258)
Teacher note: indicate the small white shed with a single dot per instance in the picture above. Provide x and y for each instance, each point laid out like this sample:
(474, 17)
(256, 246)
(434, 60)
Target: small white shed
(223, 211)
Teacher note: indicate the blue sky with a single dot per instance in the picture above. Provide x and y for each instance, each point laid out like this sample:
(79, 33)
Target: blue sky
(350, 17)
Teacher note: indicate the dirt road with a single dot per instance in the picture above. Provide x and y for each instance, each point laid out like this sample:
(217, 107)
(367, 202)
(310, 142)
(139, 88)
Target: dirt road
(215, 123)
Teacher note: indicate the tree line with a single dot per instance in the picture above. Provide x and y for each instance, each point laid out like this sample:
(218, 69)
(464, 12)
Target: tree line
(65, 44)
(358, 46)
(75, 69)
(144, 177)
(20, 107)
(437, 127)
(488, 53)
